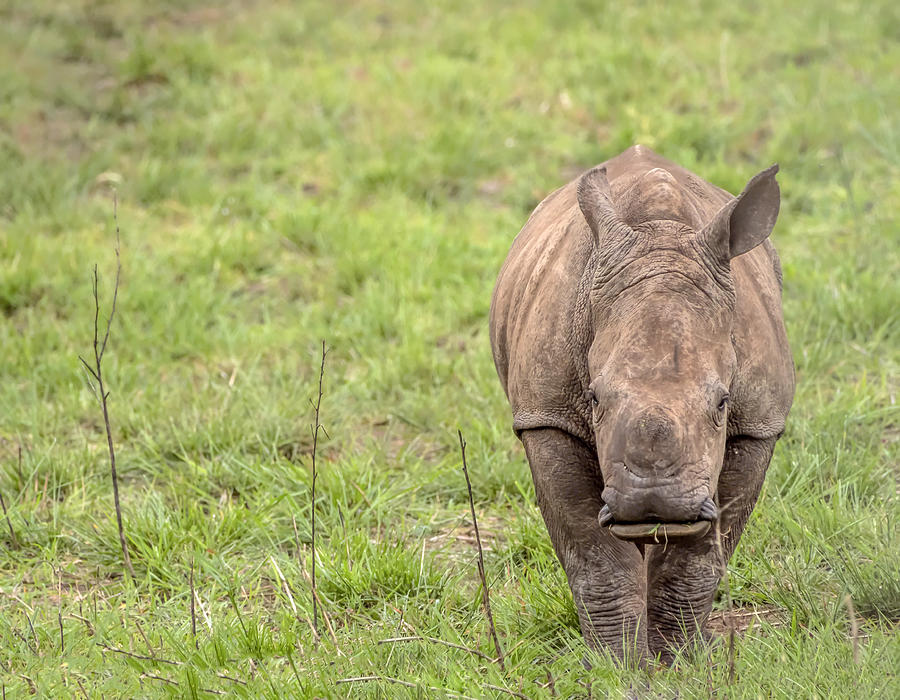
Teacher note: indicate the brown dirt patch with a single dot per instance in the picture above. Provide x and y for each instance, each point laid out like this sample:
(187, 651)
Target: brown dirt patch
(742, 619)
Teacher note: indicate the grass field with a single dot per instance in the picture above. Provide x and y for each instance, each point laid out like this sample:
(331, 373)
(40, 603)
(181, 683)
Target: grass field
(355, 172)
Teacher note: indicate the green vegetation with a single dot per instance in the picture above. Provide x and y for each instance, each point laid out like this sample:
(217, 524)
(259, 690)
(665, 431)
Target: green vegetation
(288, 172)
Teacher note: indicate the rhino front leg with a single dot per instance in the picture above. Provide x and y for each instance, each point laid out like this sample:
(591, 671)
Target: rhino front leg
(606, 575)
(682, 579)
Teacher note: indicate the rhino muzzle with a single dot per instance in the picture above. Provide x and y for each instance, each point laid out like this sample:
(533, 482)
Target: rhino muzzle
(657, 532)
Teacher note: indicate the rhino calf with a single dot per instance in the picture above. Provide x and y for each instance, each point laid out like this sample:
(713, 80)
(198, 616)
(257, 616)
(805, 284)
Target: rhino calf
(637, 330)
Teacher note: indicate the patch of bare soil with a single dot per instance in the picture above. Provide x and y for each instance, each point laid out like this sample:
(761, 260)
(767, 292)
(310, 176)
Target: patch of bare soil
(741, 619)
(460, 539)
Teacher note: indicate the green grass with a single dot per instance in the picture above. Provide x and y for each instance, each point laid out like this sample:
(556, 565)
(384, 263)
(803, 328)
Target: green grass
(356, 172)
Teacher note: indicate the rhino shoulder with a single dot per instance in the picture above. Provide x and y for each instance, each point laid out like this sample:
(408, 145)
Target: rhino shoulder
(763, 387)
(534, 316)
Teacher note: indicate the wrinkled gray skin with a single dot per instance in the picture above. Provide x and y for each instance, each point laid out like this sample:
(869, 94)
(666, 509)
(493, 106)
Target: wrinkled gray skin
(637, 330)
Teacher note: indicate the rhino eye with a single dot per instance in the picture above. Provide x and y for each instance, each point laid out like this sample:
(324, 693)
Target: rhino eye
(591, 396)
(723, 403)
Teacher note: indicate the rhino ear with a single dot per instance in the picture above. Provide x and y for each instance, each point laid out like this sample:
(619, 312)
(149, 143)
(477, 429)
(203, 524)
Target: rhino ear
(748, 219)
(595, 202)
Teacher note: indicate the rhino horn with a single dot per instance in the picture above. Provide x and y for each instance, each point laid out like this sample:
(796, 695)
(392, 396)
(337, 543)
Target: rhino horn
(595, 202)
(748, 219)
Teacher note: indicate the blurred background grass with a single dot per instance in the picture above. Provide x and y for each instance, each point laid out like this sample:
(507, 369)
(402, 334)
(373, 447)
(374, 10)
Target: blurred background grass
(288, 172)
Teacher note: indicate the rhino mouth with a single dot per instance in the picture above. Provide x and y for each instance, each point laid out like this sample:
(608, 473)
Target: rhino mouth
(656, 532)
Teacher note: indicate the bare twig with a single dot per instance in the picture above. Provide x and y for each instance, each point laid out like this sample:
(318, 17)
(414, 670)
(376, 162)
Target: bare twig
(19, 468)
(193, 607)
(315, 436)
(12, 533)
(723, 571)
(486, 599)
(854, 628)
(436, 640)
(96, 371)
(62, 639)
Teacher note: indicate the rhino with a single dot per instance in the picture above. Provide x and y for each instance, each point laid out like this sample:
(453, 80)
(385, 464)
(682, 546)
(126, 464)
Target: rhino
(637, 330)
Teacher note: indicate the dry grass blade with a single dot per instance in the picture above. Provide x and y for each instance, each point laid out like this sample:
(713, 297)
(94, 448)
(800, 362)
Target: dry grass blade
(436, 640)
(87, 623)
(146, 640)
(407, 684)
(486, 597)
(854, 628)
(131, 654)
(169, 681)
(501, 689)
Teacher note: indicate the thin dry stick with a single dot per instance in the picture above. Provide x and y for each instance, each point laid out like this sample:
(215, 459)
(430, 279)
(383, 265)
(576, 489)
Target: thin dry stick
(96, 371)
(62, 639)
(19, 469)
(854, 628)
(12, 533)
(486, 598)
(315, 436)
(193, 608)
(723, 570)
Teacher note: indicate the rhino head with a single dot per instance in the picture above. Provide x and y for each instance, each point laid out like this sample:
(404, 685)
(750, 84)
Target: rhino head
(661, 364)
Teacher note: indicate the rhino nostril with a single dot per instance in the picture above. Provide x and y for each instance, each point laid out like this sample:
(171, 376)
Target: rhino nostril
(708, 510)
(605, 516)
